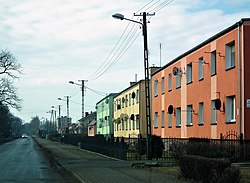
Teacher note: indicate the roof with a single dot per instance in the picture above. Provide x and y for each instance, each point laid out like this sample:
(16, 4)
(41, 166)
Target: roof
(131, 86)
(92, 123)
(110, 95)
(203, 43)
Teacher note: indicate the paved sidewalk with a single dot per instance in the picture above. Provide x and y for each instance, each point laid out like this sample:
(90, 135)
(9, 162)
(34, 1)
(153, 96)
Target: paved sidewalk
(94, 168)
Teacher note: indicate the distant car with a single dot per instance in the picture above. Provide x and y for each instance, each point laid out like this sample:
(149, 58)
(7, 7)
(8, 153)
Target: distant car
(24, 135)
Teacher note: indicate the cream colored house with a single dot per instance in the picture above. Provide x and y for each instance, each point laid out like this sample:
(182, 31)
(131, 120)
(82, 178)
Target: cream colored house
(130, 111)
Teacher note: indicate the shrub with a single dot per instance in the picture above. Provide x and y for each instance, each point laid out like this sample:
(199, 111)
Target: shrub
(157, 147)
(208, 170)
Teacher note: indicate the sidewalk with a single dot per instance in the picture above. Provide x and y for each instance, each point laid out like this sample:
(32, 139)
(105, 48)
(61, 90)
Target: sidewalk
(90, 167)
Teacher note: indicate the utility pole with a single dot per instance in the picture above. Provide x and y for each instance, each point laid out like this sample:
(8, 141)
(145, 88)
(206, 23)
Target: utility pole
(147, 85)
(83, 88)
(67, 100)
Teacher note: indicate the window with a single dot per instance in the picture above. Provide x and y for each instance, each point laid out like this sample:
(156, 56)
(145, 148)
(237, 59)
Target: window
(129, 99)
(169, 120)
(156, 88)
(213, 63)
(162, 119)
(137, 96)
(133, 124)
(201, 68)
(178, 80)
(122, 124)
(156, 120)
(213, 113)
(126, 124)
(126, 101)
(189, 115)
(201, 113)
(178, 117)
(230, 109)
(170, 82)
(137, 122)
(162, 85)
(189, 73)
(230, 55)
(123, 101)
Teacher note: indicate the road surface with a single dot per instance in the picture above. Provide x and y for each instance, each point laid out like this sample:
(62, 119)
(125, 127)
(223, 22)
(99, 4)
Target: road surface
(22, 161)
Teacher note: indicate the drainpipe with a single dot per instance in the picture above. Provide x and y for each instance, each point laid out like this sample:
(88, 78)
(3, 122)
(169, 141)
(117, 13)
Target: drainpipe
(239, 77)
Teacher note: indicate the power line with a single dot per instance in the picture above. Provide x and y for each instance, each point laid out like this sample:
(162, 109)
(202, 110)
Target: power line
(121, 47)
(161, 5)
(115, 51)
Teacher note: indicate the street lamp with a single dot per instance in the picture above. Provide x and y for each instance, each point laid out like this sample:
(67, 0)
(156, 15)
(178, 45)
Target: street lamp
(146, 69)
(82, 87)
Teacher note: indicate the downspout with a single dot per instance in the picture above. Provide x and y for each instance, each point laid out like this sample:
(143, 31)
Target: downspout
(239, 78)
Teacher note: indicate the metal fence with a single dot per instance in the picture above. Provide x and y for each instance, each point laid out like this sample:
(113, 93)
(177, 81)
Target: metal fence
(168, 149)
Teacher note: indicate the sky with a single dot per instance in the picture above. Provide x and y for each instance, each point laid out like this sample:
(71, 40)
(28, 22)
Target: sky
(57, 41)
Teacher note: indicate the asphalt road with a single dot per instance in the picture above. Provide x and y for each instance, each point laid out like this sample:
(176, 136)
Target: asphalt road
(22, 161)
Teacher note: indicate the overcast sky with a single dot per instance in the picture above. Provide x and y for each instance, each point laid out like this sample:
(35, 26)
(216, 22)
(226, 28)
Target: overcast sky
(61, 40)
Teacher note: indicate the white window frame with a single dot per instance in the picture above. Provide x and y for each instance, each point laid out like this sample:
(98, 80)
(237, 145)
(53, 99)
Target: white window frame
(230, 109)
(230, 55)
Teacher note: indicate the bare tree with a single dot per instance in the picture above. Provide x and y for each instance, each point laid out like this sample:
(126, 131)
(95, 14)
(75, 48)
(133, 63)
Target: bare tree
(10, 70)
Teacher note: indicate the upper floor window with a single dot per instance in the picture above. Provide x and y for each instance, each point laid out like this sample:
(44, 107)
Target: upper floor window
(189, 114)
(170, 82)
(155, 87)
(137, 121)
(162, 85)
(178, 116)
(230, 109)
(162, 119)
(123, 102)
(169, 120)
(230, 55)
(178, 80)
(156, 116)
(137, 96)
(129, 99)
(189, 73)
(213, 113)
(201, 113)
(213, 63)
(126, 100)
(201, 68)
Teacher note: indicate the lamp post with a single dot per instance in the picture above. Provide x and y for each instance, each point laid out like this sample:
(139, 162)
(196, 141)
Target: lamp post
(82, 88)
(146, 69)
(59, 116)
(67, 97)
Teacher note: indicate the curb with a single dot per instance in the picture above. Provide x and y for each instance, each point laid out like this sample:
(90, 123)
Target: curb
(57, 164)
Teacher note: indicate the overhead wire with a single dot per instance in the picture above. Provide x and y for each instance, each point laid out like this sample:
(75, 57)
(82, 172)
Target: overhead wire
(130, 38)
(114, 53)
(121, 47)
(97, 92)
